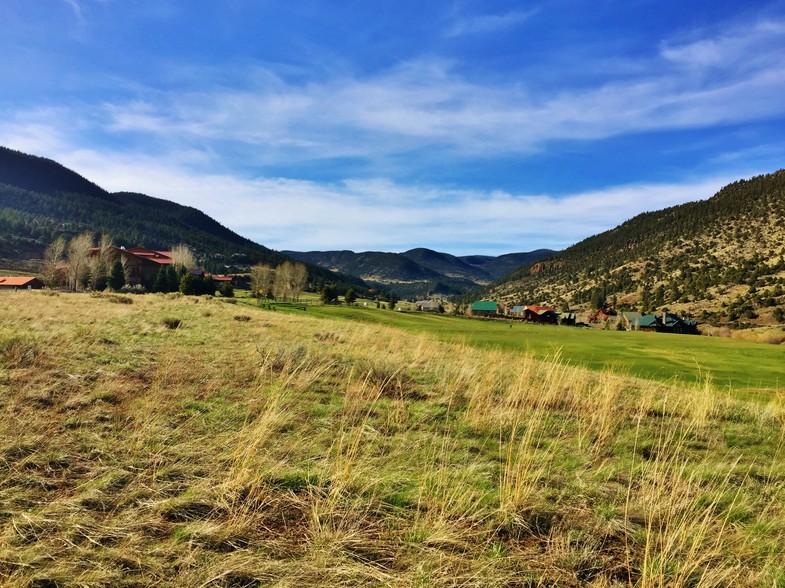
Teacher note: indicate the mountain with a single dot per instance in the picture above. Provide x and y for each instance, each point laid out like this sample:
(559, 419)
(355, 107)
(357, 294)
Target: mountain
(720, 260)
(41, 199)
(502, 265)
(420, 271)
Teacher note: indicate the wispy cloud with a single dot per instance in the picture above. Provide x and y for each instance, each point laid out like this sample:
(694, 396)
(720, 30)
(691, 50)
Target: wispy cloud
(429, 103)
(488, 23)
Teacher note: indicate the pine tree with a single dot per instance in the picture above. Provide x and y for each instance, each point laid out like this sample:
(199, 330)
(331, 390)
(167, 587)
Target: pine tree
(117, 276)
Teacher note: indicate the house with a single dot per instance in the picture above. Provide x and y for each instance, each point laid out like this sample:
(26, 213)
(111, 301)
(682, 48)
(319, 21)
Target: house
(141, 265)
(516, 310)
(631, 320)
(567, 318)
(540, 314)
(427, 306)
(667, 323)
(20, 283)
(484, 308)
(602, 315)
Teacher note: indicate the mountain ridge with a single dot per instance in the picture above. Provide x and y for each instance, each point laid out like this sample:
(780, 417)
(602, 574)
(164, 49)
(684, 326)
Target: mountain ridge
(720, 259)
(419, 271)
(41, 199)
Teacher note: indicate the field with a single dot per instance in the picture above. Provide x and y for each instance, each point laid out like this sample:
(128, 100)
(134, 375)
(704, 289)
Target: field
(736, 366)
(174, 441)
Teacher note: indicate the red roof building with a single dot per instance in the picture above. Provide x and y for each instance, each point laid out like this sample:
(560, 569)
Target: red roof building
(20, 283)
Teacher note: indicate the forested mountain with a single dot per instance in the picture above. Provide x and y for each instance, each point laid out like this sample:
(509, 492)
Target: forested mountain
(721, 260)
(420, 271)
(41, 199)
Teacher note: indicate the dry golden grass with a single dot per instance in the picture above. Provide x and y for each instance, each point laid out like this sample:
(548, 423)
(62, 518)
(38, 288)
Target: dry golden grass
(290, 451)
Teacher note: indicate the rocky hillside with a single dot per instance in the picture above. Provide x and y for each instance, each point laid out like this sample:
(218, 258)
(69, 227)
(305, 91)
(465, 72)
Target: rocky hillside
(720, 260)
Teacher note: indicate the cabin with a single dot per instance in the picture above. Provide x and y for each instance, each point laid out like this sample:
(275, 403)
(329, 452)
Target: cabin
(631, 320)
(20, 283)
(568, 319)
(667, 323)
(427, 306)
(484, 308)
(540, 314)
(602, 315)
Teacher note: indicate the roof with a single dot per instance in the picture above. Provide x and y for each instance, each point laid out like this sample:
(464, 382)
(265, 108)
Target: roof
(539, 309)
(485, 305)
(161, 257)
(517, 308)
(16, 281)
(648, 320)
(222, 278)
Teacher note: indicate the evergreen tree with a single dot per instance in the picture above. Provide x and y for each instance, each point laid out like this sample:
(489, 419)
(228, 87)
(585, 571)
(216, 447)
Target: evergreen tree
(172, 279)
(117, 276)
(351, 296)
(161, 283)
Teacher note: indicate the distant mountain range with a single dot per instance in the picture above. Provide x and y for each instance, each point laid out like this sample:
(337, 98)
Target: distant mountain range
(420, 271)
(720, 260)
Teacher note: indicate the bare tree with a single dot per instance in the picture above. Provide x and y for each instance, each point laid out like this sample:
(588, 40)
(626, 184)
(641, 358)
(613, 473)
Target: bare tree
(183, 256)
(298, 279)
(100, 262)
(78, 253)
(261, 279)
(281, 286)
(53, 256)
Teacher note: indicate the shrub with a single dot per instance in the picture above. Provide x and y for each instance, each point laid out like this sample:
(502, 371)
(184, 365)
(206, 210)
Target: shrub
(171, 322)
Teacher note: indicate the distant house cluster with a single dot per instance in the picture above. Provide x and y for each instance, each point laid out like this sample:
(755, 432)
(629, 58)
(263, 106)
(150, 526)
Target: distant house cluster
(661, 323)
(529, 313)
(632, 321)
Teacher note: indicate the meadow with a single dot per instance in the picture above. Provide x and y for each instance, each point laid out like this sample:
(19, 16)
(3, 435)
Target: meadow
(735, 366)
(175, 441)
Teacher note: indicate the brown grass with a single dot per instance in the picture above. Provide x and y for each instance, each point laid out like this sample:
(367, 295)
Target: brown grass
(291, 451)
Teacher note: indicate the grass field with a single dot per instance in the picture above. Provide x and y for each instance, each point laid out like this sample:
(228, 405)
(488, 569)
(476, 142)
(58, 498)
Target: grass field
(741, 367)
(162, 440)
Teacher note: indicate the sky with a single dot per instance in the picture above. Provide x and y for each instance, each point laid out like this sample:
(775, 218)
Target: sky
(465, 126)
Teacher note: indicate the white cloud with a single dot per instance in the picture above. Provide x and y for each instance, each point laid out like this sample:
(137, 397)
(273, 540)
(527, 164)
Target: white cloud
(489, 23)
(734, 78)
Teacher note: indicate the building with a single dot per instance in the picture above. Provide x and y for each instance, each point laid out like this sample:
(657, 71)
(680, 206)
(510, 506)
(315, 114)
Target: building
(484, 308)
(427, 306)
(631, 320)
(20, 283)
(540, 314)
(141, 265)
(666, 323)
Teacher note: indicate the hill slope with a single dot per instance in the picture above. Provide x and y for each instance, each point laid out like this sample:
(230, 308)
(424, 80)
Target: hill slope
(419, 271)
(40, 199)
(721, 260)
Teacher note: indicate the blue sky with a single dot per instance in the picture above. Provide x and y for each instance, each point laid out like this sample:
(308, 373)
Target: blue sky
(465, 126)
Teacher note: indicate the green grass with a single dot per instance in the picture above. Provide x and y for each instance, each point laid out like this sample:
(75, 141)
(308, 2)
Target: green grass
(742, 367)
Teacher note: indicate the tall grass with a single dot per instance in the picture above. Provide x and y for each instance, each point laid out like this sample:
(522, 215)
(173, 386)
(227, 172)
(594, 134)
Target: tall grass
(290, 451)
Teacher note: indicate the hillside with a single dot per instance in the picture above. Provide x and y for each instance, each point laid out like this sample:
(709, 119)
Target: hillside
(419, 271)
(41, 199)
(720, 260)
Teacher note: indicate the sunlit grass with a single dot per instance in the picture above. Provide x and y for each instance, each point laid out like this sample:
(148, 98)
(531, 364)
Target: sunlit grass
(292, 450)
